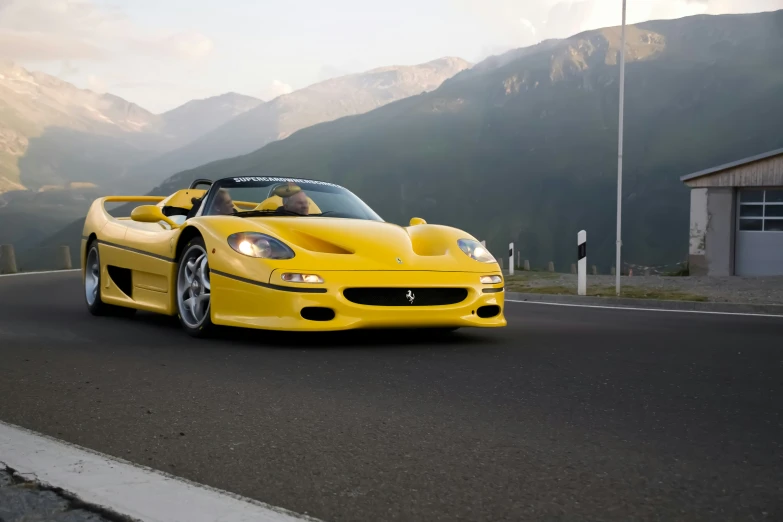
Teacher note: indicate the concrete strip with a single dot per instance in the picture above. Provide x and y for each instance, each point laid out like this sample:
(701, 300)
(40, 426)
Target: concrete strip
(649, 304)
(126, 488)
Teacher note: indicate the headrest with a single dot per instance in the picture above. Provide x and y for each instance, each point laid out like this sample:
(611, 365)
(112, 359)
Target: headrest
(285, 190)
(276, 201)
(182, 198)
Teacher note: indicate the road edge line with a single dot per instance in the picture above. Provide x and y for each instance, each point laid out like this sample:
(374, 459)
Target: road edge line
(42, 272)
(638, 309)
(126, 488)
(652, 304)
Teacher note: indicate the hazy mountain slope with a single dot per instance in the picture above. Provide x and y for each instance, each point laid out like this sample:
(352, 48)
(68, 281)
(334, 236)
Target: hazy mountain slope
(525, 150)
(277, 119)
(61, 146)
(37, 107)
(53, 133)
(53, 211)
(197, 117)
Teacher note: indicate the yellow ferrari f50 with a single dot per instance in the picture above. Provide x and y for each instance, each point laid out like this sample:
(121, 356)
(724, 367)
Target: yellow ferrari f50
(284, 254)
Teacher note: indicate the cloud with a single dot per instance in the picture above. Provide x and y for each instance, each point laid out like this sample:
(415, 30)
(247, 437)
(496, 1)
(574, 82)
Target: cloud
(527, 24)
(54, 30)
(66, 69)
(74, 18)
(190, 44)
(185, 45)
(596, 13)
(42, 30)
(327, 72)
(514, 23)
(277, 88)
(38, 46)
(96, 84)
(569, 17)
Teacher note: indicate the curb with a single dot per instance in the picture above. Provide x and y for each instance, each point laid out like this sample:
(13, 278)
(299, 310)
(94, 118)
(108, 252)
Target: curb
(651, 304)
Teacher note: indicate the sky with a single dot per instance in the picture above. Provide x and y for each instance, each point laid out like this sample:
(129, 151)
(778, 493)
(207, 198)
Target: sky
(162, 53)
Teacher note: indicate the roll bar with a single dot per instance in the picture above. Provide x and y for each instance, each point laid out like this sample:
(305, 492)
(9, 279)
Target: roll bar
(200, 181)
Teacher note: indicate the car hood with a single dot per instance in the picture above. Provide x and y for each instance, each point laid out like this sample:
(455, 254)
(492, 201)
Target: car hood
(356, 244)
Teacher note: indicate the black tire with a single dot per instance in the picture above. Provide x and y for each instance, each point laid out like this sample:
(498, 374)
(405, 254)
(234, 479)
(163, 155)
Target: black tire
(192, 321)
(92, 284)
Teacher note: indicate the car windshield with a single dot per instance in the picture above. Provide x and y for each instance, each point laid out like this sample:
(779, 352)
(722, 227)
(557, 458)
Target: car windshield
(259, 196)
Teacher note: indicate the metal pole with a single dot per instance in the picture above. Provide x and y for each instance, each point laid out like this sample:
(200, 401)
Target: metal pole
(620, 159)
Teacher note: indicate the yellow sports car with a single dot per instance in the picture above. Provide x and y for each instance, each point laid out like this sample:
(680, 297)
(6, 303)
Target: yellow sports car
(284, 254)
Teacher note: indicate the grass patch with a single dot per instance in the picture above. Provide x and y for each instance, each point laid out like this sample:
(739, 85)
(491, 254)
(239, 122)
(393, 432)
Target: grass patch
(521, 276)
(609, 291)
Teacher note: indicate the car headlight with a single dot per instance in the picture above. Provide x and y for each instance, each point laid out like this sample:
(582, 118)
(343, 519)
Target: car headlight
(475, 250)
(254, 244)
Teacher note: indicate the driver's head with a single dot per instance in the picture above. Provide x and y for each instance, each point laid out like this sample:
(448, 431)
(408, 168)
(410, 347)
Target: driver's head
(298, 203)
(223, 204)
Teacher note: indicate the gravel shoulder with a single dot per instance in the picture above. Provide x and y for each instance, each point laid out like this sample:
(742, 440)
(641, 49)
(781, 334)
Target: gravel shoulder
(24, 500)
(745, 290)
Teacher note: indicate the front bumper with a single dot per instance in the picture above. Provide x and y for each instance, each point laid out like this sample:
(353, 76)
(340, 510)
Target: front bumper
(276, 305)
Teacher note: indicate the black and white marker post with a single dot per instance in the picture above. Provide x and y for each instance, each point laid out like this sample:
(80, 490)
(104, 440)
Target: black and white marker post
(511, 259)
(581, 242)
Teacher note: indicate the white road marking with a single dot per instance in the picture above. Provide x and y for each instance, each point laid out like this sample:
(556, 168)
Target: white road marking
(645, 309)
(42, 272)
(126, 488)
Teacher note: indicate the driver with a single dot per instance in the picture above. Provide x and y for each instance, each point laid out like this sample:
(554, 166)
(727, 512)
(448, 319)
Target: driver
(223, 204)
(298, 203)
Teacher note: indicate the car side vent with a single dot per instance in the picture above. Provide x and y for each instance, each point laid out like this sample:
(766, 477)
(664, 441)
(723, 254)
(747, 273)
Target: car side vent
(122, 278)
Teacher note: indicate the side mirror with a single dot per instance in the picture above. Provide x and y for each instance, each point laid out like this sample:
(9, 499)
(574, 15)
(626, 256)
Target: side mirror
(417, 221)
(151, 214)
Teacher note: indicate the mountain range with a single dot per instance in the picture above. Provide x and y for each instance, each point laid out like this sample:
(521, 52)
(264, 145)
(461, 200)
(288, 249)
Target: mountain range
(325, 101)
(53, 133)
(61, 146)
(523, 147)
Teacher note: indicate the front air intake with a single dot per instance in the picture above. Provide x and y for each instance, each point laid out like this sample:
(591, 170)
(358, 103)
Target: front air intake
(485, 312)
(317, 313)
(405, 296)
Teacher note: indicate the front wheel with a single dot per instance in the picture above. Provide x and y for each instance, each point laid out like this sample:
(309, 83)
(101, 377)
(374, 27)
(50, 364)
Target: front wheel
(193, 290)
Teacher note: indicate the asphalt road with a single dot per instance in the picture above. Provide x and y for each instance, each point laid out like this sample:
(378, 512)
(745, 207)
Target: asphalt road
(566, 414)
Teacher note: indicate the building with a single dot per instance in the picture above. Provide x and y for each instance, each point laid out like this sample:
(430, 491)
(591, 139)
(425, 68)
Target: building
(737, 218)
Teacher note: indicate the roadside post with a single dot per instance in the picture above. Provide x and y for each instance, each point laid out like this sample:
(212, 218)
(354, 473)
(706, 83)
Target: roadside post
(7, 260)
(64, 258)
(581, 243)
(511, 259)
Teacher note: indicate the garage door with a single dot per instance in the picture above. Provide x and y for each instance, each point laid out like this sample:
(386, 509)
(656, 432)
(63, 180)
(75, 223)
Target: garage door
(759, 246)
